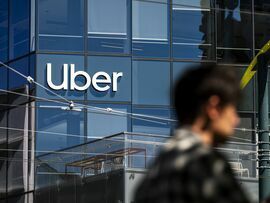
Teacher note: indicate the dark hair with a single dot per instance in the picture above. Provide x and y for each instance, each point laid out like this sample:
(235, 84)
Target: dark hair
(198, 84)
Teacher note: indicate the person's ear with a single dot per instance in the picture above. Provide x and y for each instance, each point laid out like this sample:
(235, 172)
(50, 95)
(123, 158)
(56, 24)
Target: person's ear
(212, 107)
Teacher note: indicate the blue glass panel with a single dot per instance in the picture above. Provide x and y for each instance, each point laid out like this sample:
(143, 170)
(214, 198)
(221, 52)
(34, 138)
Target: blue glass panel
(179, 68)
(3, 86)
(151, 82)
(61, 25)
(3, 77)
(16, 81)
(108, 26)
(57, 62)
(193, 38)
(3, 30)
(150, 125)
(110, 65)
(103, 123)
(19, 28)
(150, 38)
(57, 128)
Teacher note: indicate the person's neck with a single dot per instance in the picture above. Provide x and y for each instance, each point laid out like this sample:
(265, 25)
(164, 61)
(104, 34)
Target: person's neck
(205, 135)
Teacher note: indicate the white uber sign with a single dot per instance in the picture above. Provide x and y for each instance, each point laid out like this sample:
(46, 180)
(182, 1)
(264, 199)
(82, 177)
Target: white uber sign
(101, 81)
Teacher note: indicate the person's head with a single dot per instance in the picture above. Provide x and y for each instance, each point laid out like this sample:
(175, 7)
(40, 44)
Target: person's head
(210, 94)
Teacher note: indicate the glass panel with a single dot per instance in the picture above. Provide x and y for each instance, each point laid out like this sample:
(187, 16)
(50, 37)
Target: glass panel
(206, 4)
(57, 75)
(3, 30)
(15, 80)
(234, 21)
(3, 85)
(18, 199)
(108, 33)
(17, 83)
(151, 83)
(58, 129)
(122, 84)
(61, 25)
(261, 23)
(246, 103)
(179, 68)
(19, 28)
(242, 147)
(193, 30)
(103, 123)
(3, 153)
(33, 26)
(149, 125)
(18, 146)
(150, 38)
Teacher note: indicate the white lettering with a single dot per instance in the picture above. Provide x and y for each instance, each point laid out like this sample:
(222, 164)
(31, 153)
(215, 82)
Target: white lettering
(73, 75)
(64, 84)
(105, 80)
(115, 79)
(101, 81)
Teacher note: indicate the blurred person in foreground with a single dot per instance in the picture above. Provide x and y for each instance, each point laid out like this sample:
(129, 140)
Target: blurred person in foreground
(188, 168)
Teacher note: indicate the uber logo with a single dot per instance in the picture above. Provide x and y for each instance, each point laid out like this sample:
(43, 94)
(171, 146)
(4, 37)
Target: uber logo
(98, 78)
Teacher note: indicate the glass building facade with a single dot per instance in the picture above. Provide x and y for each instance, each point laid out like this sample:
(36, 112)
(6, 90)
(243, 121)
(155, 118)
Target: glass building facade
(49, 153)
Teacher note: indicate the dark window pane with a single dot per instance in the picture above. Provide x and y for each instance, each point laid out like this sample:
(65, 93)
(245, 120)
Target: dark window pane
(61, 25)
(103, 123)
(150, 38)
(149, 125)
(110, 65)
(3, 30)
(18, 145)
(234, 28)
(151, 83)
(193, 30)
(57, 66)
(58, 129)
(16, 81)
(3, 85)
(3, 153)
(246, 103)
(107, 26)
(19, 28)
(261, 23)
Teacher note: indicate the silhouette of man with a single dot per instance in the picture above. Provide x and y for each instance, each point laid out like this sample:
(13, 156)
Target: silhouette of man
(188, 169)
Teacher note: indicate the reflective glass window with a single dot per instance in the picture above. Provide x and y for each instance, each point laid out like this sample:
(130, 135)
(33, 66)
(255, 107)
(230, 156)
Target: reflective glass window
(179, 68)
(151, 83)
(102, 123)
(261, 23)
(246, 102)
(151, 125)
(3, 84)
(108, 26)
(57, 75)
(57, 129)
(234, 31)
(3, 30)
(193, 29)
(110, 65)
(16, 81)
(3, 154)
(18, 146)
(61, 25)
(19, 28)
(150, 28)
